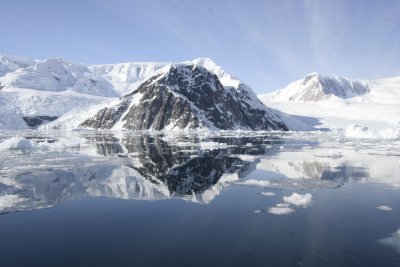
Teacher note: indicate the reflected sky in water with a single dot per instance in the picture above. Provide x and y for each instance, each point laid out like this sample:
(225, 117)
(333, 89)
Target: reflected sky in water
(159, 200)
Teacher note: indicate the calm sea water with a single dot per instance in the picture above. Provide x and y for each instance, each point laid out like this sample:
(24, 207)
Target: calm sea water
(86, 199)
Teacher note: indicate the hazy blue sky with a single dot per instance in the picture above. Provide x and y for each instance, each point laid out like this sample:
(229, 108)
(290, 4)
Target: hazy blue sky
(265, 43)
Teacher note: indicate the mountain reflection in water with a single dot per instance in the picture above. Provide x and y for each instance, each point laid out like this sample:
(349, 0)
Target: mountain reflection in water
(134, 167)
(152, 167)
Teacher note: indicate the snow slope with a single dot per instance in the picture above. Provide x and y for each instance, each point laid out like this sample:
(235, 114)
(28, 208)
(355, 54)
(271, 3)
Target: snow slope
(338, 103)
(54, 75)
(50, 87)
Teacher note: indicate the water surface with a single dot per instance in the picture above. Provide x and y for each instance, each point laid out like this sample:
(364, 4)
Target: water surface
(135, 199)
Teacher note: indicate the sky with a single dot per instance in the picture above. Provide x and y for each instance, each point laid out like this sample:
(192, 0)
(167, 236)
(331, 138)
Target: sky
(266, 44)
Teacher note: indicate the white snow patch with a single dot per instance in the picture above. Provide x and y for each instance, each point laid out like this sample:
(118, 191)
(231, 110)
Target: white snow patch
(280, 210)
(384, 208)
(298, 199)
(228, 178)
(392, 241)
(17, 143)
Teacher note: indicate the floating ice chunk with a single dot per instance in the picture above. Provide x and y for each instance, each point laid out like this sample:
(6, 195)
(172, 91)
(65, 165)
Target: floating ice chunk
(355, 131)
(392, 241)
(257, 211)
(268, 194)
(17, 143)
(384, 208)
(298, 199)
(253, 182)
(280, 210)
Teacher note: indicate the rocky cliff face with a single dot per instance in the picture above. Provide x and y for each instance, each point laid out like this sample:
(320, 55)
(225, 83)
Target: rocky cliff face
(186, 96)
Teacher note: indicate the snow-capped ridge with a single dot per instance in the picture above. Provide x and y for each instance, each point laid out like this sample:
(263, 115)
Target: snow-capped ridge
(317, 87)
(9, 63)
(126, 77)
(54, 75)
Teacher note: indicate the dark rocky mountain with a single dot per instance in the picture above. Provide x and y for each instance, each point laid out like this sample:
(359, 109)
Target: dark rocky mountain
(186, 96)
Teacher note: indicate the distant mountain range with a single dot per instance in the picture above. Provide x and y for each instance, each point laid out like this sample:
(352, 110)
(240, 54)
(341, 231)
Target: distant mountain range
(335, 102)
(186, 95)
(157, 96)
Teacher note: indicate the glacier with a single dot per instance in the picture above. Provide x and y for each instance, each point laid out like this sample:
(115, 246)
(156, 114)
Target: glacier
(358, 109)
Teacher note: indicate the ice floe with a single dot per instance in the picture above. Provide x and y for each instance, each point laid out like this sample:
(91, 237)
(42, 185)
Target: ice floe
(280, 210)
(384, 208)
(298, 199)
(254, 182)
(392, 241)
(295, 199)
(268, 194)
(17, 143)
(355, 131)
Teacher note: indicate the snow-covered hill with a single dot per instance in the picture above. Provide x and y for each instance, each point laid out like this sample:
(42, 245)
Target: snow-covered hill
(341, 103)
(47, 88)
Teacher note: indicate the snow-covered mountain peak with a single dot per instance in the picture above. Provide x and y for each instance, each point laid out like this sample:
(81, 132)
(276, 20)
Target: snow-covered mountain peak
(226, 79)
(333, 102)
(10, 63)
(316, 87)
(313, 76)
(185, 96)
